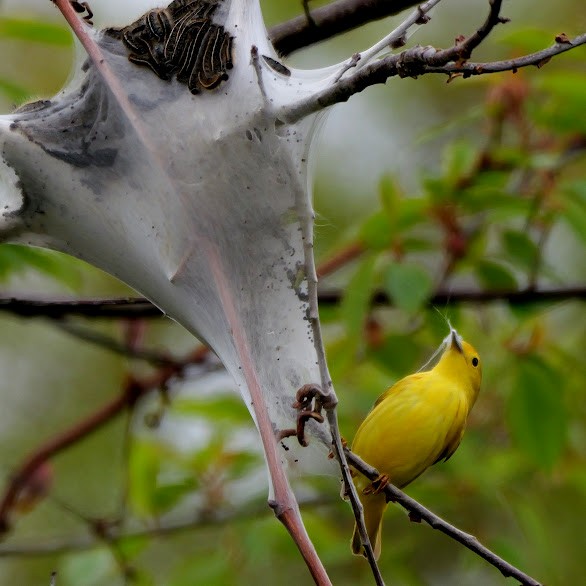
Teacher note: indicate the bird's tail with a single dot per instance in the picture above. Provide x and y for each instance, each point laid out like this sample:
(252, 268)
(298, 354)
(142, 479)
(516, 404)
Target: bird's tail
(374, 507)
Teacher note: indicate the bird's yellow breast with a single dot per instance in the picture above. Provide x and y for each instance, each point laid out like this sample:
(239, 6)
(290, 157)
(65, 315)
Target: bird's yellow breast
(418, 421)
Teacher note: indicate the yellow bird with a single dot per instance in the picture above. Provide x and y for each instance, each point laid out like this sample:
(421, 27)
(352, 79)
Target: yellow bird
(414, 424)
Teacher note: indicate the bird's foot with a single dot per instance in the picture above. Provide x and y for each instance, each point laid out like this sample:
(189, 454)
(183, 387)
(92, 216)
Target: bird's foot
(377, 485)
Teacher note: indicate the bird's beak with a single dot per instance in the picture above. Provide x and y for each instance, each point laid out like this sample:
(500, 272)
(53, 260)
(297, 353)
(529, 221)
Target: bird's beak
(456, 341)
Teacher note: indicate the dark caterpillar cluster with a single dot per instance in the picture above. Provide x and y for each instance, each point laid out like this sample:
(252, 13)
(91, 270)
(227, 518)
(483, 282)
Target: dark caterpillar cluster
(182, 40)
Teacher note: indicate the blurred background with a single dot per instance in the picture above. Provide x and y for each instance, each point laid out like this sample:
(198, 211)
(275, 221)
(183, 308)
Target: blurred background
(421, 187)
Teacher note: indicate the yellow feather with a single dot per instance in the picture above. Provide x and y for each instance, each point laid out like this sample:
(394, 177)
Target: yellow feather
(417, 422)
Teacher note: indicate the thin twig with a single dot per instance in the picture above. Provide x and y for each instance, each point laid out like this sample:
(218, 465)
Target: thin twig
(537, 59)
(112, 308)
(331, 20)
(109, 343)
(465, 296)
(340, 259)
(419, 512)
(330, 400)
(139, 308)
(159, 529)
(413, 63)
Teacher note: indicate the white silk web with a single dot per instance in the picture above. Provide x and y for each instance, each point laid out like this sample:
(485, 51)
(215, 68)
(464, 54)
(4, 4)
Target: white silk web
(202, 203)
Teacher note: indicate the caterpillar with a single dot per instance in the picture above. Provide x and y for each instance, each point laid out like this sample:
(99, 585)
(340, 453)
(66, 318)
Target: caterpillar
(182, 41)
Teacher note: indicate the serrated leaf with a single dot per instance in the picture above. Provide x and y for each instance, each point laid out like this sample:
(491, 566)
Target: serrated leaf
(356, 301)
(536, 412)
(35, 31)
(15, 258)
(376, 232)
(409, 286)
(493, 275)
(520, 249)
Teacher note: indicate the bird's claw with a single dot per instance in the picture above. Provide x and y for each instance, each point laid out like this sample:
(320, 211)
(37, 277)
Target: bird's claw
(377, 485)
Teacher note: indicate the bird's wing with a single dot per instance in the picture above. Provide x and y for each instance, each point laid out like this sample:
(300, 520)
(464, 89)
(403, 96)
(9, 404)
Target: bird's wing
(400, 386)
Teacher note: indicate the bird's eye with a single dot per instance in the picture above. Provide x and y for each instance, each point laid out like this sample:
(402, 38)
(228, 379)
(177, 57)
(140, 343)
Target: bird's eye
(475, 361)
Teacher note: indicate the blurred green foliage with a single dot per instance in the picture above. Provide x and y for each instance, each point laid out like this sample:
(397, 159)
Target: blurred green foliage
(502, 208)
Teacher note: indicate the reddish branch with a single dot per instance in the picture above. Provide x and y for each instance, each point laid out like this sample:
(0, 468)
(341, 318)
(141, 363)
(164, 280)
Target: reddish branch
(340, 259)
(133, 390)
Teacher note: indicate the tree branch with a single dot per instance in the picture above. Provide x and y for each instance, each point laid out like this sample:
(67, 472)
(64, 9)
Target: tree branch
(418, 513)
(331, 20)
(132, 392)
(444, 297)
(113, 308)
(419, 60)
(116, 533)
(139, 308)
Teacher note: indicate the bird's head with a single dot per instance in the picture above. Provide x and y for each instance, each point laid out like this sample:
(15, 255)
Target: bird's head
(460, 360)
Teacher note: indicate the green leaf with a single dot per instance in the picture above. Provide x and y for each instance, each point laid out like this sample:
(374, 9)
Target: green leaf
(396, 354)
(493, 275)
(574, 208)
(131, 547)
(167, 495)
(224, 407)
(144, 466)
(536, 412)
(563, 110)
(90, 568)
(412, 211)
(390, 197)
(458, 160)
(356, 301)
(408, 285)
(376, 232)
(438, 189)
(416, 244)
(528, 40)
(520, 249)
(212, 567)
(16, 258)
(35, 31)
(14, 92)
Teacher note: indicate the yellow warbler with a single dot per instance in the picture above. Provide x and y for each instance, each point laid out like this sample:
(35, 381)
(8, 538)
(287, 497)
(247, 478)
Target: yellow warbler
(417, 422)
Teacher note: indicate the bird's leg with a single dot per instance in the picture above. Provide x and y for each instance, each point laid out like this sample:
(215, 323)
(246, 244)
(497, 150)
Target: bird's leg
(310, 400)
(377, 485)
